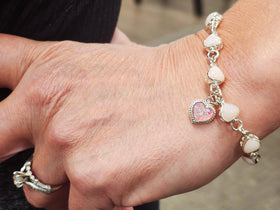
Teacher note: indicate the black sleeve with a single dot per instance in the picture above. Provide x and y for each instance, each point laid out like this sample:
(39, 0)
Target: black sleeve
(79, 20)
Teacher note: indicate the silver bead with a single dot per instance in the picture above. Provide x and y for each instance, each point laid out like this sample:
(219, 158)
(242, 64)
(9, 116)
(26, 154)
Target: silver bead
(213, 20)
(252, 158)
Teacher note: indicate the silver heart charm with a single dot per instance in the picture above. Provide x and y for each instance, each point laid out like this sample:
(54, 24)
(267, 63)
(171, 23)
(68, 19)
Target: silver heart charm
(201, 112)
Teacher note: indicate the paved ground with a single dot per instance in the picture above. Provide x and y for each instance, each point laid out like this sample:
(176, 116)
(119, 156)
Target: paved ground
(241, 187)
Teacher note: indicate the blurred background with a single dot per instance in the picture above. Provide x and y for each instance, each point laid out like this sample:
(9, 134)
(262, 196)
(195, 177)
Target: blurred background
(242, 187)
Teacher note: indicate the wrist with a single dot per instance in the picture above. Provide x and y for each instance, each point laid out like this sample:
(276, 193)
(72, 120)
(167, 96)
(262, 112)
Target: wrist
(250, 62)
(241, 87)
(213, 145)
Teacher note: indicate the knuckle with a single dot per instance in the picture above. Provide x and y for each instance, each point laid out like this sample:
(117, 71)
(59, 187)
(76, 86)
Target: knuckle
(91, 179)
(60, 134)
(86, 181)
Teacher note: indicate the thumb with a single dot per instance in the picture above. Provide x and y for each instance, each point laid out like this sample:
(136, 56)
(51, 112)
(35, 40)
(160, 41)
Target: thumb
(123, 208)
(95, 201)
(81, 200)
(14, 132)
(120, 38)
(16, 55)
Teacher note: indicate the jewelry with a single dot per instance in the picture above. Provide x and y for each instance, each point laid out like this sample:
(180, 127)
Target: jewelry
(203, 111)
(25, 176)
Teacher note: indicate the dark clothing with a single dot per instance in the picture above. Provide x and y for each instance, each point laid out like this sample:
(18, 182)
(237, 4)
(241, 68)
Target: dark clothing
(78, 20)
(51, 20)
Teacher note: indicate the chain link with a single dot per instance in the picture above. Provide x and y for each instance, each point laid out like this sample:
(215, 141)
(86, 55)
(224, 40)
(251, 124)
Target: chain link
(216, 97)
(213, 55)
(237, 125)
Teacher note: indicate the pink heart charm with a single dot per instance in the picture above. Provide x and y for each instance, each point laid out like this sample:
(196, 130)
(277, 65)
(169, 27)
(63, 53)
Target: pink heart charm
(201, 112)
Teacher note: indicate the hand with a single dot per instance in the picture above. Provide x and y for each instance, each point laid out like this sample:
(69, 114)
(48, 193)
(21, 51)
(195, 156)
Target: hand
(105, 126)
(111, 122)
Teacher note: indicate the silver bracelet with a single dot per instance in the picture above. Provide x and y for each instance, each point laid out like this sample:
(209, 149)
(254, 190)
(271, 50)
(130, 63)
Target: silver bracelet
(203, 111)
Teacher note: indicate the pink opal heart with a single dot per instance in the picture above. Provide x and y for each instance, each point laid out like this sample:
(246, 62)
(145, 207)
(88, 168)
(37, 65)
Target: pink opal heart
(201, 112)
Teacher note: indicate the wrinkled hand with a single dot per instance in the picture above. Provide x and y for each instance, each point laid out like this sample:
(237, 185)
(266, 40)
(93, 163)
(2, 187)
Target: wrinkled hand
(111, 123)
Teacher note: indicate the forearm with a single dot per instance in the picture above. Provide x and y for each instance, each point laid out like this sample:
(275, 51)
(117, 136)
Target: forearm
(251, 62)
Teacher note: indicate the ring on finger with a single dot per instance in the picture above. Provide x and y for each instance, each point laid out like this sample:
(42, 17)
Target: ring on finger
(25, 176)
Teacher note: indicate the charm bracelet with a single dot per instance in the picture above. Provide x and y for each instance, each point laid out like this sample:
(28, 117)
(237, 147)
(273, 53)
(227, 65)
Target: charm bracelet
(203, 111)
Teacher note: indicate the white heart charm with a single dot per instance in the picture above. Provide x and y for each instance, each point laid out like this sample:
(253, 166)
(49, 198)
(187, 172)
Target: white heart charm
(250, 143)
(228, 112)
(213, 41)
(215, 74)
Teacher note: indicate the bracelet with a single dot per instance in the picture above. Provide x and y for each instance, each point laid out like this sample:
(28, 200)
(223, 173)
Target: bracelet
(203, 111)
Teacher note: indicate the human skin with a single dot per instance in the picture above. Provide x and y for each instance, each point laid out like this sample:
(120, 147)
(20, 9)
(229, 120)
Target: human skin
(111, 122)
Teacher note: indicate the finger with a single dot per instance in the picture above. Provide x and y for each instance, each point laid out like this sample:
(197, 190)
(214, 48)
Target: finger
(120, 38)
(16, 54)
(57, 200)
(95, 201)
(79, 199)
(123, 208)
(14, 131)
(47, 167)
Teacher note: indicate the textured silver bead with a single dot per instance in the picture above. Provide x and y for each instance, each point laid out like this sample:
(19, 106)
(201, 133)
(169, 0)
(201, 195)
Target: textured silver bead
(213, 20)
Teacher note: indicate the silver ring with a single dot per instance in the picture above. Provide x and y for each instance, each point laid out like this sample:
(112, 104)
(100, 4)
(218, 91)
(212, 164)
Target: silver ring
(25, 176)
